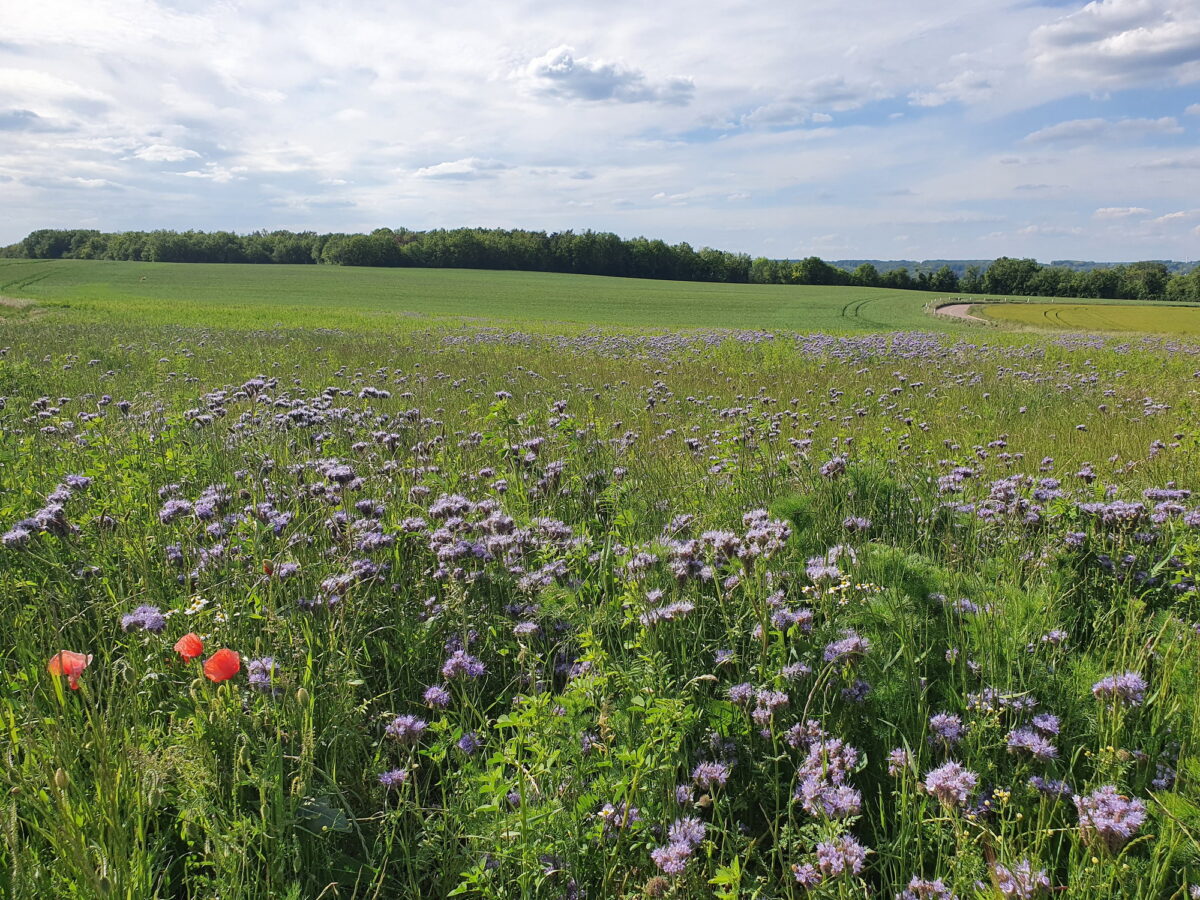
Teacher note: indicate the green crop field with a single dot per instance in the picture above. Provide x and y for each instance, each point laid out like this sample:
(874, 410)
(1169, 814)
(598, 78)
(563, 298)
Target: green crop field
(1159, 319)
(249, 296)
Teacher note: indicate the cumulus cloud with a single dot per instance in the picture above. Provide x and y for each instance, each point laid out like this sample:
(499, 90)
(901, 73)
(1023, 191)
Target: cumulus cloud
(1122, 43)
(1090, 130)
(560, 73)
(1120, 212)
(838, 93)
(965, 87)
(470, 169)
(804, 103)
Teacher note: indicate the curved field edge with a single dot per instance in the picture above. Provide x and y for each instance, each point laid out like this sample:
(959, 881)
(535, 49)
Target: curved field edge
(1094, 317)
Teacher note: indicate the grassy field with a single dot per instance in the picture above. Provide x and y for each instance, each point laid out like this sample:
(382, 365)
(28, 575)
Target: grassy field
(358, 607)
(1157, 319)
(247, 296)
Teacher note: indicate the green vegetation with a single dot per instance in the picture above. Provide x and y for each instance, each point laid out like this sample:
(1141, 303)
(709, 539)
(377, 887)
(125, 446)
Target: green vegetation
(245, 296)
(601, 253)
(505, 615)
(1094, 317)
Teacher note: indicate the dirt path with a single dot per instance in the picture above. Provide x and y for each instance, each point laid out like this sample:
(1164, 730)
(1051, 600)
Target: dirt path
(959, 311)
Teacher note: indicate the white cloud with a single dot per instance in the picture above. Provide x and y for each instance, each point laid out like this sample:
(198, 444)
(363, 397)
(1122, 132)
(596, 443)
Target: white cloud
(965, 87)
(560, 73)
(1051, 230)
(1092, 130)
(469, 169)
(42, 91)
(303, 116)
(1122, 43)
(165, 153)
(1187, 161)
(1120, 212)
(1193, 110)
(217, 173)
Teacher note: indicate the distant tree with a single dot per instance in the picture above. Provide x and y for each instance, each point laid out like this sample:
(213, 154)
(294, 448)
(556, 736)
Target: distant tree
(1009, 276)
(972, 281)
(1146, 280)
(897, 279)
(944, 281)
(865, 275)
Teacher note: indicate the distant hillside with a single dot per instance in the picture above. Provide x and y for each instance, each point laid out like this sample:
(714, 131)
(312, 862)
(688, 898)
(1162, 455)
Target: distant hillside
(959, 266)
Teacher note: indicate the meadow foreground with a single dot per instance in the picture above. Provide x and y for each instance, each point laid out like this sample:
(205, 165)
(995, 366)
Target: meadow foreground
(486, 613)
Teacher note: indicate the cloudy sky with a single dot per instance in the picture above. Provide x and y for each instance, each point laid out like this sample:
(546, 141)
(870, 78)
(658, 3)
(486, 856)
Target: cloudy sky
(855, 128)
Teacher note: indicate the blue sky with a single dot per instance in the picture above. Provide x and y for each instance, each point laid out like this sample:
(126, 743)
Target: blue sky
(844, 129)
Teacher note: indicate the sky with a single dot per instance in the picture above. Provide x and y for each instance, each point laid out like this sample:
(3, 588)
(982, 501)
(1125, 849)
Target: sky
(785, 128)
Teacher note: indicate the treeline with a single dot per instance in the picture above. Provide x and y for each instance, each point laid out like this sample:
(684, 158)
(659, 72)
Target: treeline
(599, 253)
(1151, 280)
(584, 253)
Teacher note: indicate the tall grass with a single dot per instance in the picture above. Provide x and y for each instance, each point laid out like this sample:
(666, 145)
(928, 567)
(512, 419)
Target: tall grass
(514, 498)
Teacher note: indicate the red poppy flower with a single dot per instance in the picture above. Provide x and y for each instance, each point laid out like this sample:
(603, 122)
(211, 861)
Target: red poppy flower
(189, 646)
(70, 664)
(222, 665)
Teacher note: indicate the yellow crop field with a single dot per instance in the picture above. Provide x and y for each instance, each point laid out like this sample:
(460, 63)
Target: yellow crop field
(1181, 320)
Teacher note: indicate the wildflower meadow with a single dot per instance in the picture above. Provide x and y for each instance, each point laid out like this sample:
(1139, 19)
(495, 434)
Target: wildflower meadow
(492, 613)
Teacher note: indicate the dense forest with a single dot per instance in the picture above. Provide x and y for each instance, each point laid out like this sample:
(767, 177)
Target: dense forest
(601, 253)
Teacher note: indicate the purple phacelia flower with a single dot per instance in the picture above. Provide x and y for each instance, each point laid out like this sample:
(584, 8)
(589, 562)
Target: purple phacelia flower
(1050, 787)
(857, 692)
(1026, 740)
(921, 889)
(174, 509)
(710, 775)
(849, 648)
(1129, 687)
(951, 783)
(843, 856)
(1109, 819)
(406, 729)
(263, 675)
(672, 859)
(741, 694)
(689, 831)
(898, 761)
(436, 696)
(393, 778)
(461, 664)
(947, 730)
(144, 618)
(1021, 882)
(1047, 723)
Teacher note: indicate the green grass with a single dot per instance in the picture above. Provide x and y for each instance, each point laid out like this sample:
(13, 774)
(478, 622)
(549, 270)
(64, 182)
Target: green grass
(1175, 319)
(248, 296)
(214, 443)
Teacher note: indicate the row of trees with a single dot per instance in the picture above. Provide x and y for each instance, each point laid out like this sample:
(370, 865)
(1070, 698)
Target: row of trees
(585, 253)
(1151, 280)
(598, 253)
